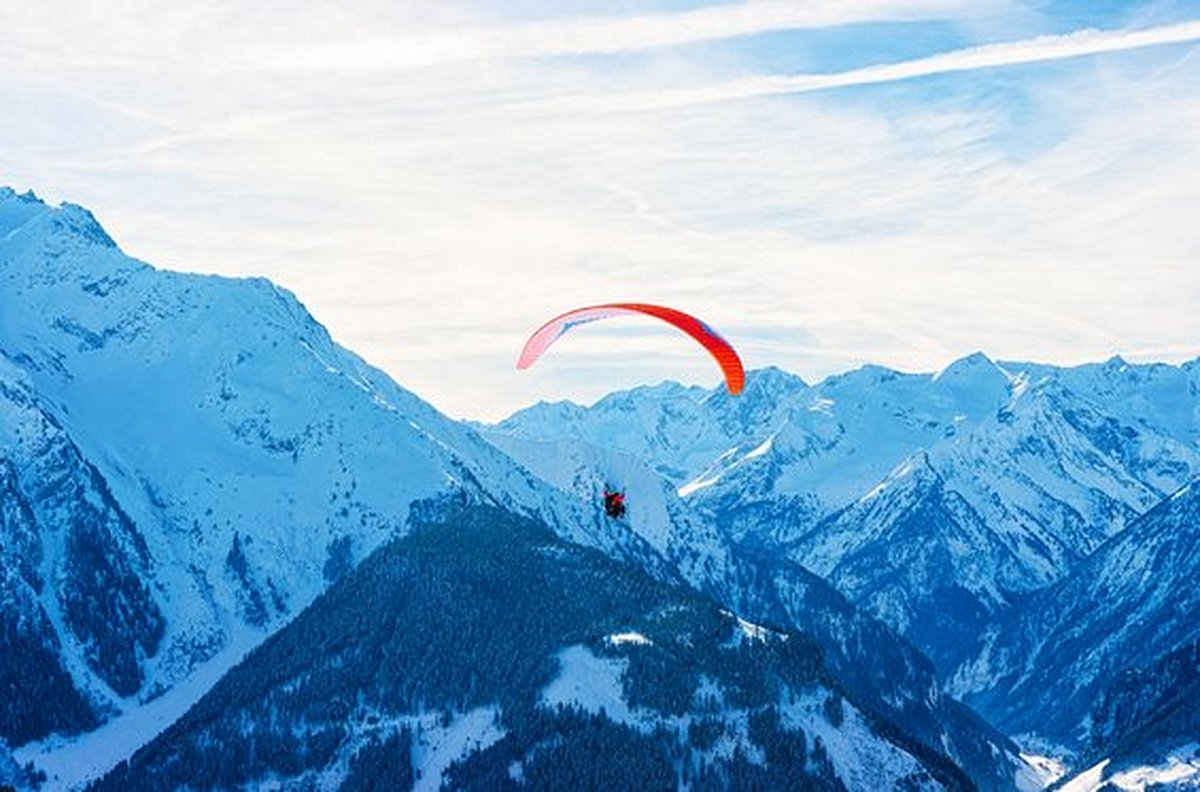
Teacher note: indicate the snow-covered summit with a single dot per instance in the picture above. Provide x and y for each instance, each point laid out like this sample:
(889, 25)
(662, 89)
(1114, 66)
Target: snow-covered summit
(972, 364)
(1004, 473)
(680, 431)
(20, 213)
(16, 209)
(772, 382)
(252, 457)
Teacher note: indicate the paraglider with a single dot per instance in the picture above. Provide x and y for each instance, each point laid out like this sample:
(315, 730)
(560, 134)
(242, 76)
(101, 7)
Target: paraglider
(719, 348)
(614, 503)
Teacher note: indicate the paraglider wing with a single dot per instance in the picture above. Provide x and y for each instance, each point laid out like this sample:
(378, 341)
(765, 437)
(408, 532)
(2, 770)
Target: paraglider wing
(719, 348)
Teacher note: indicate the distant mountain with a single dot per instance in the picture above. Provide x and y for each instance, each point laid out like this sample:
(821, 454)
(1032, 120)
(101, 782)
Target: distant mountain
(1120, 614)
(481, 652)
(1156, 395)
(934, 501)
(678, 431)
(918, 555)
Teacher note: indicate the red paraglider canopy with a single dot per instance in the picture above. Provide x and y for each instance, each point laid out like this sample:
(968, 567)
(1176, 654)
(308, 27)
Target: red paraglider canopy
(719, 348)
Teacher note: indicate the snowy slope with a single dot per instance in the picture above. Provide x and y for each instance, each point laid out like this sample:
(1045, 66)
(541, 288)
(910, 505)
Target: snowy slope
(551, 700)
(917, 555)
(1143, 726)
(1130, 603)
(1179, 769)
(247, 460)
(655, 512)
(76, 612)
(1029, 469)
(882, 670)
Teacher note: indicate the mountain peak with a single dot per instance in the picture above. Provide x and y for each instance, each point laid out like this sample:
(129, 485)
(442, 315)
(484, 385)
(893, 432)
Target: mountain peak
(915, 474)
(975, 364)
(81, 223)
(18, 210)
(8, 194)
(773, 379)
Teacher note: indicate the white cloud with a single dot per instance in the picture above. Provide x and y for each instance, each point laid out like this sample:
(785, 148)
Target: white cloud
(591, 35)
(432, 221)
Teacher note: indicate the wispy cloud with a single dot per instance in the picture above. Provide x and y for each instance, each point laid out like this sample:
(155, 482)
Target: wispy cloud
(1035, 50)
(432, 221)
(591, 35)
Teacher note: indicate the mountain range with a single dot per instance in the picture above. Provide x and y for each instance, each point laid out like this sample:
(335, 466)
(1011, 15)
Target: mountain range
(235, 553)
(1013, 472)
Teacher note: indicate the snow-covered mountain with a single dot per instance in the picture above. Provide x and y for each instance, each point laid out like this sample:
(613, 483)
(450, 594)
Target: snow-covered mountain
(1129, 605)
(678, 431)
(194, 460)
(510, 657)
(918, 555)
(186, 461)
(881, 669)
(931, 500)
(656, 512)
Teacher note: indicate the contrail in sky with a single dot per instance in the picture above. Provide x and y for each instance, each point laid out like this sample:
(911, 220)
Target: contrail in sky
(1034, 50)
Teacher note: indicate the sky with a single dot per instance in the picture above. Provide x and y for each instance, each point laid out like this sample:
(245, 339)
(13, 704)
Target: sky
(826, 183)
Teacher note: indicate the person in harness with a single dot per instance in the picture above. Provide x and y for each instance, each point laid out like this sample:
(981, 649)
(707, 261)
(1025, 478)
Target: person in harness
(614, 503)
